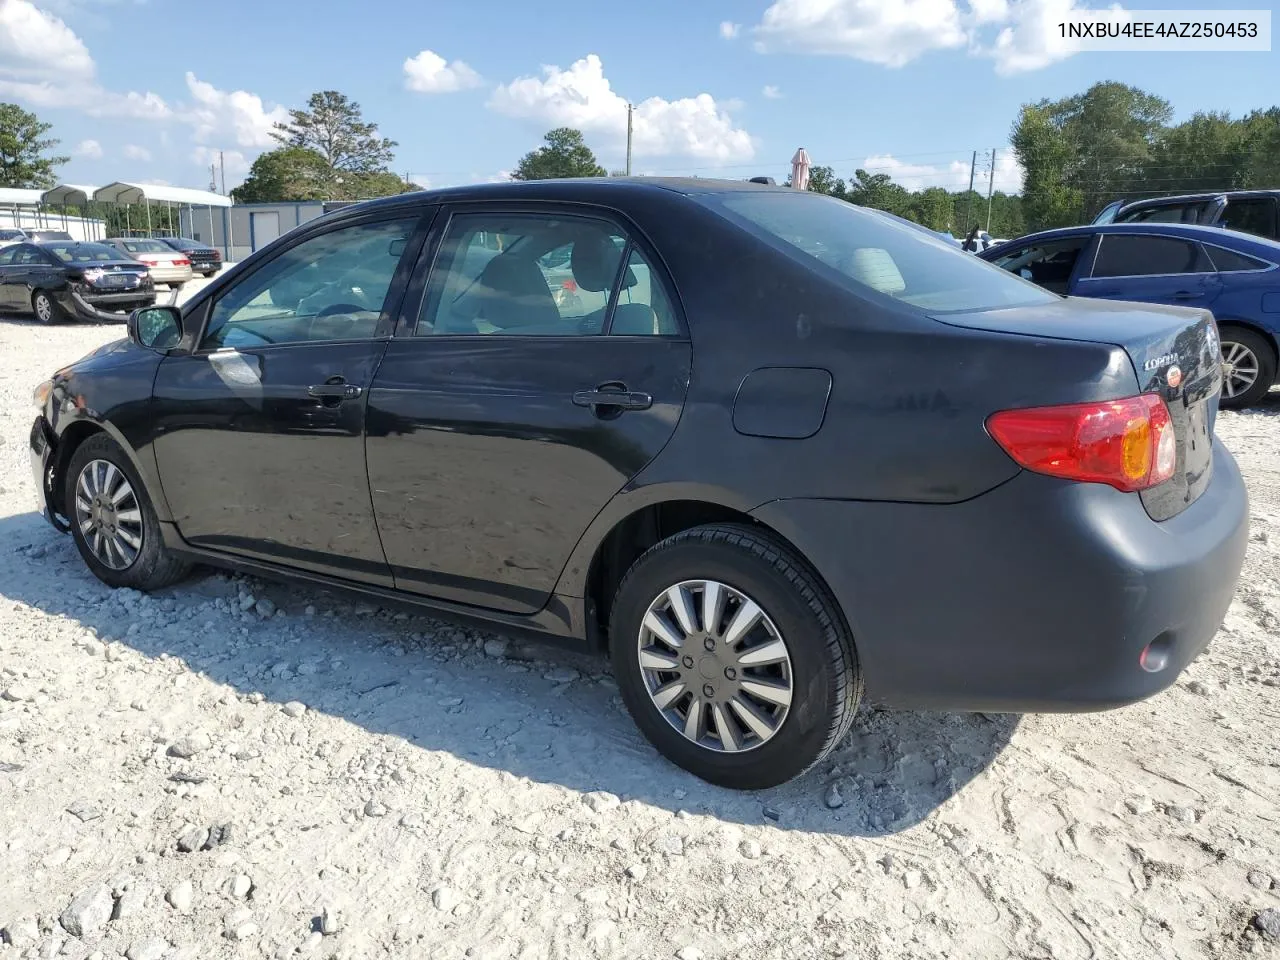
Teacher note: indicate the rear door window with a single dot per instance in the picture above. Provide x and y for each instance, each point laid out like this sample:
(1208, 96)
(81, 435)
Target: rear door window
(877, 254)
(1148, 256)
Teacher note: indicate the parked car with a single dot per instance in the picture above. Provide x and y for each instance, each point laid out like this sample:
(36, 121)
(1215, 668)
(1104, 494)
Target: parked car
(800, 451)
(1249, 211)
(11, 235)
(40, 236)
(205, 260)
(168, 266)
(1233, 274)
(62, 280)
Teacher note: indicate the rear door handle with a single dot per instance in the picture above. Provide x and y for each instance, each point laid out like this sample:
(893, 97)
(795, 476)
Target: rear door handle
(338, 391)
(1186, 295)
(620, 399)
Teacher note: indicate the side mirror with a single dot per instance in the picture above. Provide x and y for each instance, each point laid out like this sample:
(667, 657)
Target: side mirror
(156, 328)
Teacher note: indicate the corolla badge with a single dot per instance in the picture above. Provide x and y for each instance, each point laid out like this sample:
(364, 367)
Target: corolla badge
(1156, 363)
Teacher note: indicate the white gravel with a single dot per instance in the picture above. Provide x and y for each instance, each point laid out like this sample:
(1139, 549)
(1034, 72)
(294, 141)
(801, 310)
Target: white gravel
(356, 783)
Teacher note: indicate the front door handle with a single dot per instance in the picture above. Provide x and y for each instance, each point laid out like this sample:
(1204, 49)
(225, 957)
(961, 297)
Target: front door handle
(334, 389)
(613, 395)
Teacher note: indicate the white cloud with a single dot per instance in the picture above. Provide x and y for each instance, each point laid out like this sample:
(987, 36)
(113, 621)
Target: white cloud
(888, 32)
(771, 92)
(90, 149)
(581, 97)
(237, 164)
(134, 152)
(43, 64)
(730, 30)
(237, 114)
(428, 72)
(953, 175)
(1032, 38)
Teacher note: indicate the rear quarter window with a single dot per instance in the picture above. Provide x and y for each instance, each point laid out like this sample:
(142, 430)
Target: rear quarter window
(878, 254)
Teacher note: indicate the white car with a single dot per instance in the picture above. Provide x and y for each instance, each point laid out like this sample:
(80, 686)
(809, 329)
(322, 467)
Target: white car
(168, 266)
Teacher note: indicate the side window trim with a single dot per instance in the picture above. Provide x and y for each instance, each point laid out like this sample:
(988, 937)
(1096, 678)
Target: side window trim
(606, 329)
(1147, 276)
(390, 305)
(428, 263)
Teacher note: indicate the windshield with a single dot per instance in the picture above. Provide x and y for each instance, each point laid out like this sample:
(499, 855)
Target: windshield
(145, 246)
(83, 252)
(12, 235)
(881, 254)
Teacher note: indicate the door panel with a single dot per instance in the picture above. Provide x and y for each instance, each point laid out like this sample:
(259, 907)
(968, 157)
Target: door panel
(252, 463)
(485, 473)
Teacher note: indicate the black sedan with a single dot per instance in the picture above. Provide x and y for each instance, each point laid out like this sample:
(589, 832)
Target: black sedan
(68, 279)
(774, 452)
(205, 260)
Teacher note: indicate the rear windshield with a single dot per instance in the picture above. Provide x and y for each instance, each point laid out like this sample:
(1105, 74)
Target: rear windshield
(145, 246)
(880, 254)
(83, 252)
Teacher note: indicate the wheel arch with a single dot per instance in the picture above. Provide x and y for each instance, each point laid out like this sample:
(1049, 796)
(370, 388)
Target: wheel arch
(1269, 335)
(73, 434)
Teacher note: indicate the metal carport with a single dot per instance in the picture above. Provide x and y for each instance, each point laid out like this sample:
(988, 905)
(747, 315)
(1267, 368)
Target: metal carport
(70, 194)
(146, 194)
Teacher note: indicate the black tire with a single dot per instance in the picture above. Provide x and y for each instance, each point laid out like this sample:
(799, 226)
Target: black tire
(154, 566)
(51, 310)
(825, 675)
(1265, 353)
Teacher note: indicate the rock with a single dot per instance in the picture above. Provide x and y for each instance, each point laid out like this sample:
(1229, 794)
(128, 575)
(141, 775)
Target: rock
(1199, 688)
(84, 811)
(1140, 806)
(772, 813)
(20, 692)
(218, 835)
(749, 849)
(21, 933)
(88, 912)
(594, 896)
(601, 802)
(495, 647)
(265, 608)
(188, 747)
(181, 897)
(240, 886)
(1181, 812)
(294, 708)
(688, 953)
(56, 858)
(131, 900)
(911, 879)
(239, 925)
(375, 809)
(1267, 922)
(149, 948)
(637, 872)
(671, 844)
(599, 930)
(445, 898)
(247, 602)
(330, 921)
(1259, 879)
(192, 839)
(561, 675)
(834, 798)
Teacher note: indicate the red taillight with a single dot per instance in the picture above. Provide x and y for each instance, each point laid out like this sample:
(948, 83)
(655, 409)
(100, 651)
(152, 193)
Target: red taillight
(1129, 444)
(182, 263)
(149, 261)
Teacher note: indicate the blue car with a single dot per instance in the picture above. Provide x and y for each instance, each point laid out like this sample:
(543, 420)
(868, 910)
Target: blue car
(1234, 275)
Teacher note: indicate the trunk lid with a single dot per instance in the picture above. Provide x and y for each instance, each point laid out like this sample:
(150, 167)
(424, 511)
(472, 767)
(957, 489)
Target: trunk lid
(1174, 352)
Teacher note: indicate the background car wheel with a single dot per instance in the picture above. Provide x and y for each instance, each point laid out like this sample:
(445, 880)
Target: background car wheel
(732, 658)
(1249, 366)
(112, 520)
(46, 308)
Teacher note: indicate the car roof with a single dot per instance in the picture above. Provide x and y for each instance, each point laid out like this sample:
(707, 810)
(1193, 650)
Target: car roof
(1197, 197)
(1187, 231)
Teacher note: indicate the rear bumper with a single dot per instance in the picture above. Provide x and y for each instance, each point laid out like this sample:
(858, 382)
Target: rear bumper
(105, 307)
(1037, 596)
(171, 274)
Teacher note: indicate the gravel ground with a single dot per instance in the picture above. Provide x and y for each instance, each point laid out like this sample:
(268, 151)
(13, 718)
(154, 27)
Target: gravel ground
(237, 769)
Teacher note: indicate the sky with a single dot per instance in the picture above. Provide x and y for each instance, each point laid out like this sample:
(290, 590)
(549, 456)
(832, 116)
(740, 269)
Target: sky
(155, 90)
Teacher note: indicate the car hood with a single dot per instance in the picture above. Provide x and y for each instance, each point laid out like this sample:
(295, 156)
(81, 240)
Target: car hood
(109, 354)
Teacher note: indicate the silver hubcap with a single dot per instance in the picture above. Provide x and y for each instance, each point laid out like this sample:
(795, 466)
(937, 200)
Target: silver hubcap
(715, 666)
(109, 515)
(44, 309)
(1239, 368)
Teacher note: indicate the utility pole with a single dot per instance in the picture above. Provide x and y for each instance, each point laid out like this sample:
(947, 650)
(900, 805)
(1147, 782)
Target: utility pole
(629, 112)
(991, 187)
(213, 178)
(968, 197)
(223, 164)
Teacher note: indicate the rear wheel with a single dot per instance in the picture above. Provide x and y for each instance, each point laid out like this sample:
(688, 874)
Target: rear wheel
(732, 658)
(46, 308)
(112, 520)
(1249, 366)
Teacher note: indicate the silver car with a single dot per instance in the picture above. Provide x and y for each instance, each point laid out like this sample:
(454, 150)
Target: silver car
(167, 265)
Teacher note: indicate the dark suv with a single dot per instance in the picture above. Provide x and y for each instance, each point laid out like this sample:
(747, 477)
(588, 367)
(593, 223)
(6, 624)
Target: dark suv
(1249, 211)
(767, 448)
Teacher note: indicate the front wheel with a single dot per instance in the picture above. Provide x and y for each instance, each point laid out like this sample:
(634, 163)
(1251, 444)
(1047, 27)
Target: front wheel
(732, 657)
(1249, 367)
(112, 520)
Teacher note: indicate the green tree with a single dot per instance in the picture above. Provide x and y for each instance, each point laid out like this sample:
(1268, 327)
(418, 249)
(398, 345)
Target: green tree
(824, 180)
(1046, 155)
(333, 126)
(565, 154)
(284, 174)
(934, 207)
(23, 144)
(878, 190)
